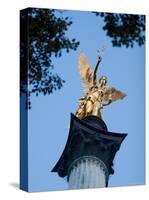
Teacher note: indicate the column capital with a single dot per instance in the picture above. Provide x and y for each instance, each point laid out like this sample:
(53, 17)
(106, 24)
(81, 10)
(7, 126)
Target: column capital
(89, 137)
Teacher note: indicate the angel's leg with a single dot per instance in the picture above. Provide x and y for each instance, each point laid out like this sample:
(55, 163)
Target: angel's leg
(89, 107)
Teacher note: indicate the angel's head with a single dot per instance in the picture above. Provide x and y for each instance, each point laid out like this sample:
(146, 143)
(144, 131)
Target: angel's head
(103, 81)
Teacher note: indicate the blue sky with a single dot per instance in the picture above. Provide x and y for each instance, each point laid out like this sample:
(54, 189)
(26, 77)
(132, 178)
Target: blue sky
(50, 115)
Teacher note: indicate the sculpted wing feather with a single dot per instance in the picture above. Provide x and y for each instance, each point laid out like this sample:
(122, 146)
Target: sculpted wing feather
(112, 94)
(86, 72)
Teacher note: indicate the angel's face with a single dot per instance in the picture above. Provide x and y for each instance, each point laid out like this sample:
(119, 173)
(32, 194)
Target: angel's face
(103, 81)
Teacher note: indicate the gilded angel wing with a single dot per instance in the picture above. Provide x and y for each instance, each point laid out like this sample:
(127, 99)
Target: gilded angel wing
(111, 94)
(86, 72)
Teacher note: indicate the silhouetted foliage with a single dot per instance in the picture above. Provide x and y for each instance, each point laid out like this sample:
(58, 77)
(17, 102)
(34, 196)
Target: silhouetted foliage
(42, 36)
(124, 29)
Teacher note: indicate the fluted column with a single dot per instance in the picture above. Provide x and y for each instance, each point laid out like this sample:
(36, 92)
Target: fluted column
(87, 172)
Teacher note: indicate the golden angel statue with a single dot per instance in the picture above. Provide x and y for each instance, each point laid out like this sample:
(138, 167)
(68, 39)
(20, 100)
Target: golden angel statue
(97, 93)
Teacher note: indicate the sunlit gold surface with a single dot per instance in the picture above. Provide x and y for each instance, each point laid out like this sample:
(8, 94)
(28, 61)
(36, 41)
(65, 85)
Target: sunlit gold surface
(97, 94)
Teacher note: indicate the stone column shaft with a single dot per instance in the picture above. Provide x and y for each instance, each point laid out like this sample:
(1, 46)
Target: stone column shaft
(87, 172)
